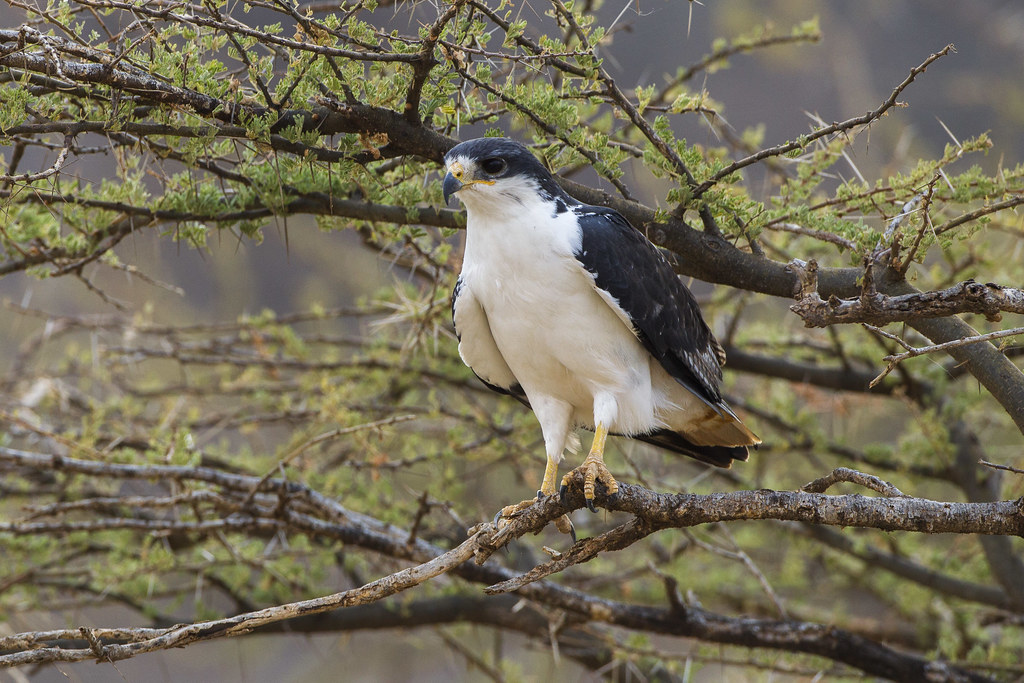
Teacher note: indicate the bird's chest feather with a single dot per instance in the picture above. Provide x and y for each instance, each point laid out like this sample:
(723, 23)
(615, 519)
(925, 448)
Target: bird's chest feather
(523, 261)
(541, 305)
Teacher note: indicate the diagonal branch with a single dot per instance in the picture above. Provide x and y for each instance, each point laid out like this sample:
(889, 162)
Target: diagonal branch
(914, 351)
(151, 640)
(840, 127)
(680, 619)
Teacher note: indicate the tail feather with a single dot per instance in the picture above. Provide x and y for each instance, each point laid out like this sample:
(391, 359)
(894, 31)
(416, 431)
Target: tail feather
(719, 456)
(718, 431)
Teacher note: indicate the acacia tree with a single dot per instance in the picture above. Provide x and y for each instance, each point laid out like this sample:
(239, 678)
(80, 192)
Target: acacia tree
(221, 479)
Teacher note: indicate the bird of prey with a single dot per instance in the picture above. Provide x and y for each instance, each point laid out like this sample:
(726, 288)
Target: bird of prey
(574, 312)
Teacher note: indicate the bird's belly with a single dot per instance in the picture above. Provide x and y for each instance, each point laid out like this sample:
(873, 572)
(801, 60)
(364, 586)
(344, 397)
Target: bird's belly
(561, 340)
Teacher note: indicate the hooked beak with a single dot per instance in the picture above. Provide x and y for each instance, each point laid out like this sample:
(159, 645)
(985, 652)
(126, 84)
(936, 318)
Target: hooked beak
(458, 178)
(450, 186)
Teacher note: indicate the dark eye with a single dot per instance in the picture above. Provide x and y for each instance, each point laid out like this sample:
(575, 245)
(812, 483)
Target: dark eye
(493, 166)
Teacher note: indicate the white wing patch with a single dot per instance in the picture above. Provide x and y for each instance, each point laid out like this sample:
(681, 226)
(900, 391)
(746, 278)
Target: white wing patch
(612, 302)
(476, 343)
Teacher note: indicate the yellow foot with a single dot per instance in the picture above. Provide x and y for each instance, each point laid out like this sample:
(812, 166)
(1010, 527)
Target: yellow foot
(510, 512)
(594, 470)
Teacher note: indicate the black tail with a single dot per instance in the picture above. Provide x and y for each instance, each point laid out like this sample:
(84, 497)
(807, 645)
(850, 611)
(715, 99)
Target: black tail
(719, 456)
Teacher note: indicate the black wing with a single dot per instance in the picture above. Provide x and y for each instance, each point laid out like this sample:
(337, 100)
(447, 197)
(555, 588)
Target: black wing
(664, 314)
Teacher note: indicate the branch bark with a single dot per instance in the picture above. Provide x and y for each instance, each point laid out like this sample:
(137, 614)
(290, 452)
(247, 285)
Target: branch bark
(283, 505)
(150, 640)
(969, 296)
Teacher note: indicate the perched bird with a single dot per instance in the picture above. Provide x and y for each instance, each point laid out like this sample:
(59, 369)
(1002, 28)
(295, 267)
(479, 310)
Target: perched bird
(574, 312)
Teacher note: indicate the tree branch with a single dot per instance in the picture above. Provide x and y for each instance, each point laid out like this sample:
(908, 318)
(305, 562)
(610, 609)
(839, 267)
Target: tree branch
(878, 309)
(913, 351)
(150, 640)
(656, 511)
(652, 511)
(849, 124)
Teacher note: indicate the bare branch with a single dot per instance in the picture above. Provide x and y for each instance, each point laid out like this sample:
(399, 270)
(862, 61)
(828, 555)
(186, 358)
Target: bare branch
(845, 474)
(1005, 468)
(150, 640)
(913, 351)
(58, 164)
(843, 126)
(656, 511)
(878, 309)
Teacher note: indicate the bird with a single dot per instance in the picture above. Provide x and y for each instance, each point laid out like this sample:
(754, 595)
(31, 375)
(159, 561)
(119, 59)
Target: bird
(574, 312)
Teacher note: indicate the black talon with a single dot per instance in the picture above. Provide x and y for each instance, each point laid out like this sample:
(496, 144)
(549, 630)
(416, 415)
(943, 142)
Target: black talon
(563, 493)
(572, 532)
(590, 505)
(540, 495)
(497, 516)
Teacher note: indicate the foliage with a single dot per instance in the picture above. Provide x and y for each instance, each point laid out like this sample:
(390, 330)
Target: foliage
(154, 463)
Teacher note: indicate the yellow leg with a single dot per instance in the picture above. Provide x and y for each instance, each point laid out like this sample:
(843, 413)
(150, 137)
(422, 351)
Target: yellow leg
(594, 469)
(547, 488)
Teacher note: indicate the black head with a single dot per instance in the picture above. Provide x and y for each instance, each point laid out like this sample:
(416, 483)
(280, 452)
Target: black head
(489, 161)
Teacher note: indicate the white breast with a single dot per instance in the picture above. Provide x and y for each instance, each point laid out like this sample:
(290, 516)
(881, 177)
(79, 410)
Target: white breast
(556, 333)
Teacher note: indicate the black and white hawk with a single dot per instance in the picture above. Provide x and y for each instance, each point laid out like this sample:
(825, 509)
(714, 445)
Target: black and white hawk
(571, 310)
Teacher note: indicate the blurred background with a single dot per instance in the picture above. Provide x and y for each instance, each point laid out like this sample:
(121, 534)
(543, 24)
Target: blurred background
(868, 47)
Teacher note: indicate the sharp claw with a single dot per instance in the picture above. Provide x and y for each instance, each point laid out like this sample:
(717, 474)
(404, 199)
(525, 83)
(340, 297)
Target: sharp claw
(590, 505)
(540, 495)
(497, 517)
(563, 493)
(564, 525)
(572, 532)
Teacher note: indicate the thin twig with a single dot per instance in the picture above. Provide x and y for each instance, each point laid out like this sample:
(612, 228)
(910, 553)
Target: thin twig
(58, 164)
(914, 351)
(179, 636)
(320, 438)
(802, 142)
(996, 466)
(845, 474)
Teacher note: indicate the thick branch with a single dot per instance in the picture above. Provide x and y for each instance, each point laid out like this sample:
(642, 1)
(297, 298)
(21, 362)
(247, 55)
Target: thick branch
(827, 376)
(655, 510)
(965, 297)
(682, 510)
(906, 568)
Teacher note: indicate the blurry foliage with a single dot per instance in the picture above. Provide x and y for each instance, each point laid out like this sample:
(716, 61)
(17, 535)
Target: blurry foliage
(225, 116)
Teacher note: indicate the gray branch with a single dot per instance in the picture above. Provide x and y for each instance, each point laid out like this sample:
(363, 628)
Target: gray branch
(875, 308)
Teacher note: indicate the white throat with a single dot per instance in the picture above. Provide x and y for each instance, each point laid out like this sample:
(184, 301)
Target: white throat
(512, 226)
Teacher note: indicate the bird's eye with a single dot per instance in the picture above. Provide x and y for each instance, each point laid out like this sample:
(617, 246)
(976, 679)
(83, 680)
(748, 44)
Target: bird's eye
(493, 166)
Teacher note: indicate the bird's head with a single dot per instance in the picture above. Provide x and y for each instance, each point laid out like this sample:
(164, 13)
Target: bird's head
(496, 170)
